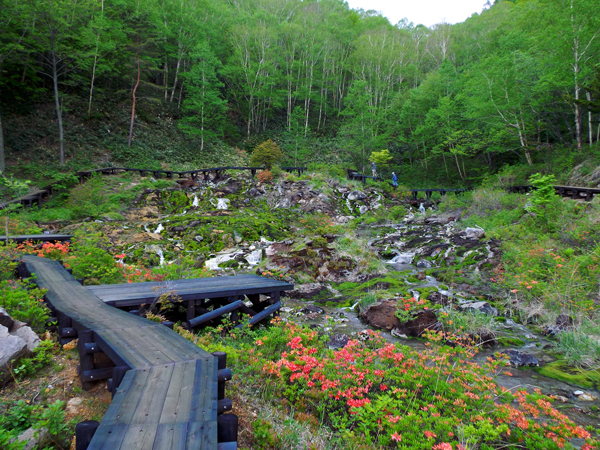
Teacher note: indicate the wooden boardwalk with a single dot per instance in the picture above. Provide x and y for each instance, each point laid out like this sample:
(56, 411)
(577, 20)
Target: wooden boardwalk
(574, 192)
(167, 392)
(158, 173)
(205, 299)
(38, 238)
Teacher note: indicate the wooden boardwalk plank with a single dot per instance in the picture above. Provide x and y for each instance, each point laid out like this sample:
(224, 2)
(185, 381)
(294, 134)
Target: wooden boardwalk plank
(168, 399)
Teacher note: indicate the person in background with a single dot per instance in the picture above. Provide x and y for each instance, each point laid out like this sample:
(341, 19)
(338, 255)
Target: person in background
(394, 180)
(374, 169)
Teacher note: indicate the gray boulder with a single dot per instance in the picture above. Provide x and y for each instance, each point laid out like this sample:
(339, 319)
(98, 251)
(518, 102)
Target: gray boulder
(482, 307)
(29, 337)
(424, 264)
(356, 195)
(474, 233)
(12, 349)
(33, 437)
(363, 209)
(338, 340)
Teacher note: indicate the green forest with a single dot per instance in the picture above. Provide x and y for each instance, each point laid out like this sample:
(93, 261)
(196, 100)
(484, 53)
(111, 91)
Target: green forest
(450, 303)
(203, 82)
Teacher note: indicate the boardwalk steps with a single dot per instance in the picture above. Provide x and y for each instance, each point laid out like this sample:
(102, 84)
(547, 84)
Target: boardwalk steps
(574, 192)
(167, 392)
(36, 197)
(204, 299)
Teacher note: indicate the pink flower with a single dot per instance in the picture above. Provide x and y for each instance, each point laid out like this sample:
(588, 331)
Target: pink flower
(396, 437)
(259, 342)
(430, 434)
(513, 290)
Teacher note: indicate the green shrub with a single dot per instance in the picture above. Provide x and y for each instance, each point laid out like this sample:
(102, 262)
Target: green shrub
(90, 261)
(266, 154)
(23, 302)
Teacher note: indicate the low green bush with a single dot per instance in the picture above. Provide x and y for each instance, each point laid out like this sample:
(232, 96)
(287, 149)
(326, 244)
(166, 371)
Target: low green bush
(23, 301)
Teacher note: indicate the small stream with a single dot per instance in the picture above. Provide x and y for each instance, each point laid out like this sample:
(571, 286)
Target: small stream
(345, 321)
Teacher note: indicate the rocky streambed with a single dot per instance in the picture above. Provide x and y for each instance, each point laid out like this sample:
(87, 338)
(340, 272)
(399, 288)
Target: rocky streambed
(356, 257)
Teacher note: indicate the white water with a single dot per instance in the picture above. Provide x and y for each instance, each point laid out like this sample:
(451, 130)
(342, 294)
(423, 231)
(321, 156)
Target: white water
(402, 258)
(254, 257)
(159, 228)
(159, 252)
(195, 203)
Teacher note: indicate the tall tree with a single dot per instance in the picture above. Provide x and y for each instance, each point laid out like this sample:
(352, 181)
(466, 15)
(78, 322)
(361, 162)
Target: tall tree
(55, 39)
(203, 105)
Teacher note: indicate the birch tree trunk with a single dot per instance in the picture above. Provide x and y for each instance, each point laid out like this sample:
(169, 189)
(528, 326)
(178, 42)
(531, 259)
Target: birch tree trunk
(2, 159)
(61, 138)
(137, 83)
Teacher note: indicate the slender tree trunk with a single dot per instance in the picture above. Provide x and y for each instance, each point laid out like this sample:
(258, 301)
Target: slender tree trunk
(61, 138)
(92, 82)
(94, 67)
(175, 82)
(2, 159)
(137, 83)
(590, 129)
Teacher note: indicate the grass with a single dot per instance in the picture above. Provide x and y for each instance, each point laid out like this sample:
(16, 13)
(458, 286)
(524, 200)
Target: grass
(474, 324)
(351, 246)
(581, 345)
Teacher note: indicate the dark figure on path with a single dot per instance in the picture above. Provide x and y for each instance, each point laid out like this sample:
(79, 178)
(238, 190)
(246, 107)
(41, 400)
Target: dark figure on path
(374, 169)
(394, 180)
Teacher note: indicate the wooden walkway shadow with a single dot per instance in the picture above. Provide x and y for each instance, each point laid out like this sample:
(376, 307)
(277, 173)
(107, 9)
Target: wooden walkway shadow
(167, 392)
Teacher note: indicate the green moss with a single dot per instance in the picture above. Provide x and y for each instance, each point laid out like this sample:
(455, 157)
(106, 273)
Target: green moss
(559, 370)
(506, 341)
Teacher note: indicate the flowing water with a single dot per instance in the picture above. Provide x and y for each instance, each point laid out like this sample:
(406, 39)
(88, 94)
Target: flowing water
(346, 321)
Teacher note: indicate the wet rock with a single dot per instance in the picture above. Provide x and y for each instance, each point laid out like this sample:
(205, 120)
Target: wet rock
(198, 238)
(482, 307)
(277, 248)
(425, 320)
(438, 298)
(396, 333)
(255, 192)
(356, 195)
(424, 264)
(520, 359)
(338, 341)
(312, 309)
(474, 233)
(363, 209)
(382, 315)
(5, 319)
(307, 290)
(584, 396)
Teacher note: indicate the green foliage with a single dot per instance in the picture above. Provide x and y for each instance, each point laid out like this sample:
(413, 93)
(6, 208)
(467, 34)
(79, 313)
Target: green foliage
(42, 356)
(11, 187)
(20, 415)
(266, 154)
(543, 196)
(90, 261)
(580, 346)
(381, 158)
(23, 301)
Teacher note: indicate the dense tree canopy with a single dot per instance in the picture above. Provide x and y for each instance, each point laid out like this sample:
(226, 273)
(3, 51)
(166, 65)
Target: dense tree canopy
(503, 86)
